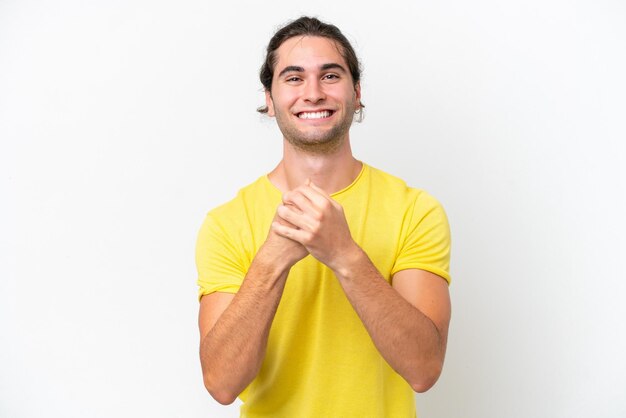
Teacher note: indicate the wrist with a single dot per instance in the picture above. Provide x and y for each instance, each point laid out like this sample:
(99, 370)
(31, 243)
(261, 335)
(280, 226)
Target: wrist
(349, 261)
(271, 261)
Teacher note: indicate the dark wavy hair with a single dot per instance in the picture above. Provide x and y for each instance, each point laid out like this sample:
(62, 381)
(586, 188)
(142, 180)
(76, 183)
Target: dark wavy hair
(307, 26)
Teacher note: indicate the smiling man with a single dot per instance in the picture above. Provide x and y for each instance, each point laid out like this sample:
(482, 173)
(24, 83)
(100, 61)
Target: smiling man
(323, 284)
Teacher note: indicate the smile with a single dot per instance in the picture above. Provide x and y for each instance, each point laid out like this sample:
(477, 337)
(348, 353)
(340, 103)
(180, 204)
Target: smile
(315, 115)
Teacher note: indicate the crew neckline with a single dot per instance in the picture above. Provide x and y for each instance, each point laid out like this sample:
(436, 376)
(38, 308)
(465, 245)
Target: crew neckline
(364, 167)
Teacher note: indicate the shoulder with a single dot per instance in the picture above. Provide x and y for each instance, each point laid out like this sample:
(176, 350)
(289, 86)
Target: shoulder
(243, 200)
(396, 189)
(252, 208)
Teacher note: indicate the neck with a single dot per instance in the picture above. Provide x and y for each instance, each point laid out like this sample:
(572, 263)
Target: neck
(329, 171)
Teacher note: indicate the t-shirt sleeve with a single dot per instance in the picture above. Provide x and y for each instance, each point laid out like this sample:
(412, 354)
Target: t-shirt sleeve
(218, 259)
(427, 242)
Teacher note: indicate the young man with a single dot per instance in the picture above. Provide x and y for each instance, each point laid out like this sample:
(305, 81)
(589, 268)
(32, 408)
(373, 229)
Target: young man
(324, 284)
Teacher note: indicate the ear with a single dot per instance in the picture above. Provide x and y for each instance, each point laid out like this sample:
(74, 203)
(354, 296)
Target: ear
(357, 92)
(269, 103)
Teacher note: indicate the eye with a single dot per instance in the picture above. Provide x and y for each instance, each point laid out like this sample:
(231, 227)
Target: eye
(330, 77)
(292, 79)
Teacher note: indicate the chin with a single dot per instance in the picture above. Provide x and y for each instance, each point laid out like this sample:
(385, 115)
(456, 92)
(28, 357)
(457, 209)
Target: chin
(319, 145)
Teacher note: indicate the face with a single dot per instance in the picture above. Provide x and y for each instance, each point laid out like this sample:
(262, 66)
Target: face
(313, 95)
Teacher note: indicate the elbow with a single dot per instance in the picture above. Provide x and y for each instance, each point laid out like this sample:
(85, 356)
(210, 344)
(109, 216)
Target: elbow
(220, 394)
(426, 379)
(423, 385)
(223, 397)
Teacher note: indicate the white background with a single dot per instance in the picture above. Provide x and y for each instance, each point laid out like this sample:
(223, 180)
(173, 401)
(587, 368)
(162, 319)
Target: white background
(123, 122)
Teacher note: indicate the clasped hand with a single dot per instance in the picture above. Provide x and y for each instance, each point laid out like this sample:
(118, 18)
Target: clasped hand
(317, 222)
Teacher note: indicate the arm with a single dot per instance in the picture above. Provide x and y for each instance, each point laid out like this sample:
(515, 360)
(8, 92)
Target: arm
(234, 328)
(408, 322)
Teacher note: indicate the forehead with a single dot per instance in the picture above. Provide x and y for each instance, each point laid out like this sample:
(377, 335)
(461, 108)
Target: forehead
(308, 52)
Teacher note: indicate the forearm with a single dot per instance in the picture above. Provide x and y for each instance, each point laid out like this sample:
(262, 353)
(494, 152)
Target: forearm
(231, 353)
(406, 338)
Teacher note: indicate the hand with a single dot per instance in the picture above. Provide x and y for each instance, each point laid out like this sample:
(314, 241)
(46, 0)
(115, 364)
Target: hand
(316, 221)
(282, 251)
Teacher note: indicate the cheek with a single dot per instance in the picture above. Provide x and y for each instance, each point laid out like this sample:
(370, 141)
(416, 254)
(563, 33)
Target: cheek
(284, 101)
(345, 93)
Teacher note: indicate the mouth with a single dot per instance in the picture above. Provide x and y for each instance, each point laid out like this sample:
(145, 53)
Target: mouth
(322, 114)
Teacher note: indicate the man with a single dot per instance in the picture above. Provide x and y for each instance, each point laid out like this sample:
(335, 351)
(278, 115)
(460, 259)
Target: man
(323, 285)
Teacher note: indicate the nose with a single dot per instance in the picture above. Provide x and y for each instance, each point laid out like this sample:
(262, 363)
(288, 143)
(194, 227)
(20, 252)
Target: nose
(313, 92)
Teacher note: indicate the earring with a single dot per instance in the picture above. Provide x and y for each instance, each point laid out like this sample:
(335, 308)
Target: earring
(358, 115)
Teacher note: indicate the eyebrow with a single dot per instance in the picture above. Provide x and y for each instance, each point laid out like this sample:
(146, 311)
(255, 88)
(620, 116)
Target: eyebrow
(297, 69)
(331, 66)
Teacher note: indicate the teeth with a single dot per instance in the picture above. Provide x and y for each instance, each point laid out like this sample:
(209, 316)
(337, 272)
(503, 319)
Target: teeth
(314, 115)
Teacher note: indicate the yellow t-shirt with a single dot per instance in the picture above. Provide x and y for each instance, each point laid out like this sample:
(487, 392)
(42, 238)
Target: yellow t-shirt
(320, 360)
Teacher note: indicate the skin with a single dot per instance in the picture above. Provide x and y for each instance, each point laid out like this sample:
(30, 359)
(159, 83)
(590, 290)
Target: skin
(330, 92)
(407, 321)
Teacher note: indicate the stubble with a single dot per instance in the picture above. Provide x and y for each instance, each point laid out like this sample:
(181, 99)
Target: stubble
(322, 142)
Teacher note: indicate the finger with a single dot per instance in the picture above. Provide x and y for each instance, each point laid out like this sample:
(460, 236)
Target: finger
(317, 196)
(318, 189)
(299, 220)
(297, 235)
(282, 221)
(293, 206)
(300, 201)
(323, 193)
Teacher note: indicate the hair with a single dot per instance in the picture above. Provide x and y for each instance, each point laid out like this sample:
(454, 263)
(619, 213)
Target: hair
(307, 26)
